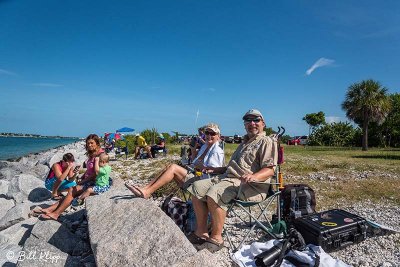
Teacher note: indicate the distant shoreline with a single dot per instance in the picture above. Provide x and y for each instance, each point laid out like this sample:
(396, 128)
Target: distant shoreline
(37, 136)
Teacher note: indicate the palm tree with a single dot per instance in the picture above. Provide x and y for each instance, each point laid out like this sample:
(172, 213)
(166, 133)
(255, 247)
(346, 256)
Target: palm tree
(366, 102)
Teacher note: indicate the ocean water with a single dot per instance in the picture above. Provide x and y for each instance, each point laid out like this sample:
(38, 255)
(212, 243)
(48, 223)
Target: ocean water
(15, 147)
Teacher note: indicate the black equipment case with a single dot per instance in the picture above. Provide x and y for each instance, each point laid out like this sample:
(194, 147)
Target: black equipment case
(332, 229)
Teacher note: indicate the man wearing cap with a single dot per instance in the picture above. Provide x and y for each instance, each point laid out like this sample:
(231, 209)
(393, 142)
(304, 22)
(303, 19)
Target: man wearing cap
(253, 161)
(141, 143)
(159, 146)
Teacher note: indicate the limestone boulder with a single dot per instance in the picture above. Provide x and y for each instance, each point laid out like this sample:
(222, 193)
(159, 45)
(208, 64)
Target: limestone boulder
(9, 254)
(9, 169)
(27, 186)
(18, 233)
(5, 205)
(59, 236)
(45, 255)
(4, 187)
(14, 215)
(133, 231)
(203, 258)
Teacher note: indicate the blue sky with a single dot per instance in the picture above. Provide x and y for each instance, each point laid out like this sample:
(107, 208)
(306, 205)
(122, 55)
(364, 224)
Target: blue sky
(75, 67)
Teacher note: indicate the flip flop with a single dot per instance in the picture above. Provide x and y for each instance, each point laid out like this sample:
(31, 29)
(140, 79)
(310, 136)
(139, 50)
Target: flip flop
(36, 212)
(195, 240)
(135, 190)
(56, 198)
(48, 218)
(211, 245)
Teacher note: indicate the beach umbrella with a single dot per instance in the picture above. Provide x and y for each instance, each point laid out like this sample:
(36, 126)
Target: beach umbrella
(125, 130)
(115, 136)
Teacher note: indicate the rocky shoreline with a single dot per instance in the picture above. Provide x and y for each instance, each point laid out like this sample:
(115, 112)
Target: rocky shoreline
(114, 229)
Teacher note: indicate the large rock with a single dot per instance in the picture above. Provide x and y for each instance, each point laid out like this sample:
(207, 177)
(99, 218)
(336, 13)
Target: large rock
(5, 205)
(27, 186)
(133, 231)
(59, 236)
(18, 233)
(9, 254)
(14, 215)
(36, 252)
(4, 187)
(8, 170)
(203, 258)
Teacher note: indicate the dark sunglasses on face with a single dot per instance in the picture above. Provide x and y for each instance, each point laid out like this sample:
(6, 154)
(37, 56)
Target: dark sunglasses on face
(249, 120)
(210, 133)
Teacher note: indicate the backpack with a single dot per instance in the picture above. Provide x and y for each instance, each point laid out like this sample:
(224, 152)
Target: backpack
(177, 210)
(297, 200)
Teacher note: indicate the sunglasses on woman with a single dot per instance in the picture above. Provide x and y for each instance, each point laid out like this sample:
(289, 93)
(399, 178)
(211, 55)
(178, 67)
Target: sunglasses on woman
(249, 120)
(210, 133)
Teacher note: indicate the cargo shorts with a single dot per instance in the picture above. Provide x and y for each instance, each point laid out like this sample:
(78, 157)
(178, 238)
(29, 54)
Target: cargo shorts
(223, 190)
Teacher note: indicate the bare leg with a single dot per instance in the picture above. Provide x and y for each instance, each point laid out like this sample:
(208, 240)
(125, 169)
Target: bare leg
(201, 211)
(87, 193)
(218, 216)
(173, 172)
(137, 150)
(64, 204)
(147, 148)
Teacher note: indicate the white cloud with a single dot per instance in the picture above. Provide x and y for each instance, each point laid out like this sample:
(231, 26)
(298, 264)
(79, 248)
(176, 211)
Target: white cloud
(47, 84)
(332, 119)
(322, 62)
(6, 72)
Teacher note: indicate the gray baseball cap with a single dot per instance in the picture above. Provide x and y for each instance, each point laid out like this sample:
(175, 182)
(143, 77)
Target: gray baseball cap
(253, 113)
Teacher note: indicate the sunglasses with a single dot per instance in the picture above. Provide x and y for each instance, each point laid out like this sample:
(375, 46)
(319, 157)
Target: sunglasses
(249, 120)
(210, 133)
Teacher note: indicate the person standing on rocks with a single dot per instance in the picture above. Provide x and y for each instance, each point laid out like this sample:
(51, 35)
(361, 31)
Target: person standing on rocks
(93, 150)
(253, 161)
(210, 157)
(62, 176)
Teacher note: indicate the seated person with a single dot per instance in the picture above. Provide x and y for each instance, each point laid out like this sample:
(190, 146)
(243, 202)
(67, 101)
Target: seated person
(253, 161)
(103, 171)
(159, 146)
(141, 143)
(61, 176)
(210, 157)
(93, 150)
(196, 143)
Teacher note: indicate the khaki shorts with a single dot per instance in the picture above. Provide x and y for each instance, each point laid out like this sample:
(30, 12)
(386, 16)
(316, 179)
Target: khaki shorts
(222, 190)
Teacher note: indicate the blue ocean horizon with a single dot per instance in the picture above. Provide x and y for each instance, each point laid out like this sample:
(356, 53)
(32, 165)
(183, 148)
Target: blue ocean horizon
(15, 147)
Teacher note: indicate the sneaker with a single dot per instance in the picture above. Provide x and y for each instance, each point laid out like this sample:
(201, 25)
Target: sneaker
(75, 202)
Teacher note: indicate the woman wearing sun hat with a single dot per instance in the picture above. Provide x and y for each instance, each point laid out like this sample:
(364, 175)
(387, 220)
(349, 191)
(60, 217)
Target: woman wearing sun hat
(210, 156)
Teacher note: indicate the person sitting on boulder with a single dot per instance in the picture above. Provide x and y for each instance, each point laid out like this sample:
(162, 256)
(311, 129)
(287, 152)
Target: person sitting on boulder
(62, 176)
(159, 146)
(102, 185)
(210, 157)
(141, 143)
(93, 150)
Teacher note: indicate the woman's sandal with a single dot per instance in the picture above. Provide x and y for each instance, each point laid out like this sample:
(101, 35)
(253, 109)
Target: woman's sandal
(195, 240)
(135, 190)
(56, 198)
(211, 245)
(36, 212)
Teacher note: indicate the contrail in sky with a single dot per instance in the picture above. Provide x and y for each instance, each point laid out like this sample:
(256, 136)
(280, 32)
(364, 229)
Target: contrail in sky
(320, 63)
(197, 116)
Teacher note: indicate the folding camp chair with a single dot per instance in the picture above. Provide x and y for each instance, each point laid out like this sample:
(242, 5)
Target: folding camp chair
(274, 230)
